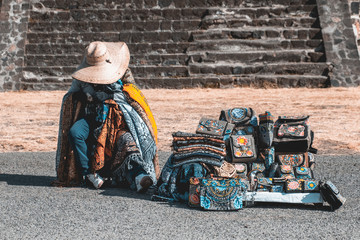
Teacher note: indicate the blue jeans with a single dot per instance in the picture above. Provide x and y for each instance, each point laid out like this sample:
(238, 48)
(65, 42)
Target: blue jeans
(78, 135)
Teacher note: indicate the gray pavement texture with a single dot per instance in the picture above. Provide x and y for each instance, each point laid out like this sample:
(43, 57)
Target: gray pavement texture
(31, 209)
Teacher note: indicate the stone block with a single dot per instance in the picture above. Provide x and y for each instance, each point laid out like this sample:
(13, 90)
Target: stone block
(288, 34)
(164, 3)
(315, 34)
(272, 34)
(354, 6)
(172, 14)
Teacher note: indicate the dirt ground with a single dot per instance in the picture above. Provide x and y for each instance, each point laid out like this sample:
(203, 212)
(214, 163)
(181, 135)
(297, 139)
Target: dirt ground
(29, 120)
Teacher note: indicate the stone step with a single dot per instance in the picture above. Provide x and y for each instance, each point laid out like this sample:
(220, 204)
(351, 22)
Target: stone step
(163, 14)
(257, 81)
(159, 71)
(42, 60)
(300, 22)
(262, 12)
(125, 36)
(127, 14)
(160, 59)
(237, 45)
(257, 33)
(137, 70)
(71, 38)
(145, 4)
(135, 48)
(251, 57)
(274, 81)
(115, 26)
(72, 60)
(320, 69)
(48, 71)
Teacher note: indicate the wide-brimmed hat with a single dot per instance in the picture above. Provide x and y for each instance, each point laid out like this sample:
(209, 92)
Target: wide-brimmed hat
(103, 63)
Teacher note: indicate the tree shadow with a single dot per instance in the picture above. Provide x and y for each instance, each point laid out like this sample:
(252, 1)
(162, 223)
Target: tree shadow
(27, 180)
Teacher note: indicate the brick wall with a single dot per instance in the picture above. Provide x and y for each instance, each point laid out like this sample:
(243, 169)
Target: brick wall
(173, 43)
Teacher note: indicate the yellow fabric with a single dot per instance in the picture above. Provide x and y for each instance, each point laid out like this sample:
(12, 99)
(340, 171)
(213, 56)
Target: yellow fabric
(135, 93)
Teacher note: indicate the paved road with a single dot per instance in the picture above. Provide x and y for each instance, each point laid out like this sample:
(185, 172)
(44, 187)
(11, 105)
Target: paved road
(31, 209)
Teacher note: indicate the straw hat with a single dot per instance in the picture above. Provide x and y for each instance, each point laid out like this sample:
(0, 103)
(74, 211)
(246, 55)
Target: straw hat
(103, 63)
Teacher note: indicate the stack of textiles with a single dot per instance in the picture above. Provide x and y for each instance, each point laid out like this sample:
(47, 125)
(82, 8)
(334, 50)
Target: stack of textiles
(201, 148)
(194, 155)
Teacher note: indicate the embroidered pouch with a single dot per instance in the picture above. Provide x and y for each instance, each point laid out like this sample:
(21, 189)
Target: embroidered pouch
(286, 171)
(211, 127)
(194, 192)
(293, 185)
(277, 188)
(221, 193)
(258, 166)
(292, 134)
(243, 148)
(266, 129)
(269, 157)
(293, 160)
(264, 184)
(303, 173)
(331, 195)
(311, 186)
(241, 169)
(237, 116)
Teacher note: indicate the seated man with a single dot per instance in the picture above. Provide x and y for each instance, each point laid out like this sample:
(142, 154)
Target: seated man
(106, 128)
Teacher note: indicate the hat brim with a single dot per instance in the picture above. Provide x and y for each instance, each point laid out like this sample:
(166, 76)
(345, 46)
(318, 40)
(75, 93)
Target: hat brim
(110, 71)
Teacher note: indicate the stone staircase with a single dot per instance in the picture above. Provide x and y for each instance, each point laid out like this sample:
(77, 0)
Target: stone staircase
(260, 43)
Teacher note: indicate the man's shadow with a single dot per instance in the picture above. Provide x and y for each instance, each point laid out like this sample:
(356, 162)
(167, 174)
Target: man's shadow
(27, 180)
(128, 193)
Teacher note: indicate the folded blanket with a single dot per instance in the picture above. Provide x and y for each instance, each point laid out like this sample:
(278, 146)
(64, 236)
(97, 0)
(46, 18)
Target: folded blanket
(182, 136)
(207, 160)
(201, 147)
(180, 143)
(179, 157)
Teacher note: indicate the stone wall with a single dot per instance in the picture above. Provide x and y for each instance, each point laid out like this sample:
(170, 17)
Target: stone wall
(340, 42)
(180, 44)
(14, 17)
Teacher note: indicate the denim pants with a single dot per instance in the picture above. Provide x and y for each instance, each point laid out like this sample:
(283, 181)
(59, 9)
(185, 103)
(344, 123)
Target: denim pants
(78, 135)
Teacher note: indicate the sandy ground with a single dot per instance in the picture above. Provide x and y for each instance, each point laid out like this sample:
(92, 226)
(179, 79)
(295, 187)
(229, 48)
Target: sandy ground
(29, 120)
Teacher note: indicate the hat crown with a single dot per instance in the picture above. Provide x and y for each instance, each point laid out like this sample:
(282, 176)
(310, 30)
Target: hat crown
(97, 54)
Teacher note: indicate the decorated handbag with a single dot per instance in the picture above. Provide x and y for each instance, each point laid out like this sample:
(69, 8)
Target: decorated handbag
(303, 173)
(258, 166)
(331, 194)
(311, 185)
(243, 148)
(194, 192)
(293, 135)
(237, 116)
(221, 194)
(244, 120)
(266, 130)
(294, 185)
(213, 127)
(216, 193)
(286, 171)
(264, 184)
(269, 157)
(293, 160)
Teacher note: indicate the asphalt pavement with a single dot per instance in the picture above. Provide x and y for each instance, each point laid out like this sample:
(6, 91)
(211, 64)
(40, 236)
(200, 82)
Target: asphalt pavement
(32, 209)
